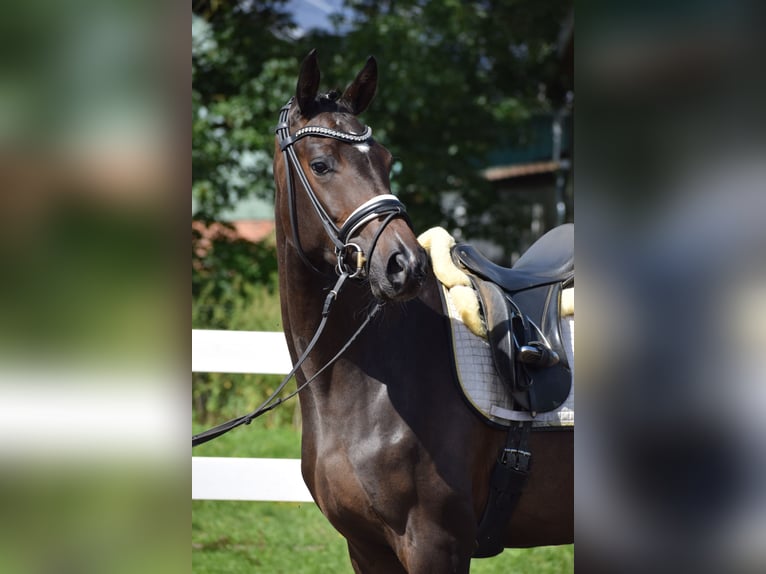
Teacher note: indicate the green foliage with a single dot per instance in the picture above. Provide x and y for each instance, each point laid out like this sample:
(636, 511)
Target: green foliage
(244, 306)
(457, 80)
(233, 139)
(225, 270)
(242, 71)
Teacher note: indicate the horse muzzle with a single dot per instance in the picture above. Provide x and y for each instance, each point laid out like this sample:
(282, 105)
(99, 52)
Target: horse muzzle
(399, 273)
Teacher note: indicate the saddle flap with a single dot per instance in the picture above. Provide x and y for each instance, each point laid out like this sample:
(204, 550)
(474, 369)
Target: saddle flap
(525, 340)
(497, 317)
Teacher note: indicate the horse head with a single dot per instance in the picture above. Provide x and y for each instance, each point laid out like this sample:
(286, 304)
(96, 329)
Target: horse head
(333, 188)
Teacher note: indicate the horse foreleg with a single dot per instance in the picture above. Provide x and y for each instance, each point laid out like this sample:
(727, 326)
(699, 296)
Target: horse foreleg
(436, 556)
(369, 558)
(433, 559)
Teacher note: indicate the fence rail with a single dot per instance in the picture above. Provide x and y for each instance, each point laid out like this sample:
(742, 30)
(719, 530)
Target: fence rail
(263, 479)
(248, 479)
(240, 352)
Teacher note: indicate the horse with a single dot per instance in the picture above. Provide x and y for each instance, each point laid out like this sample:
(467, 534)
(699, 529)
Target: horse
(390, 451)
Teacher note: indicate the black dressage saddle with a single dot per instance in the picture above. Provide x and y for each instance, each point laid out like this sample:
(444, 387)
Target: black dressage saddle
(521, 309)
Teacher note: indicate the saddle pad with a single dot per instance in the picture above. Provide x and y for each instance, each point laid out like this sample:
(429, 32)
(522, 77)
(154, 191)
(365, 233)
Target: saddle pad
(481, 384)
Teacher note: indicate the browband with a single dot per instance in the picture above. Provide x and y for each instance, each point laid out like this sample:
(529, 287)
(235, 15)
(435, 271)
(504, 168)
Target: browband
(326, 133)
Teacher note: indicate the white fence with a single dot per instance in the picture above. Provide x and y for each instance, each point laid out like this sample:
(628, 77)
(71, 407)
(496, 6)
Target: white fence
(215, 478)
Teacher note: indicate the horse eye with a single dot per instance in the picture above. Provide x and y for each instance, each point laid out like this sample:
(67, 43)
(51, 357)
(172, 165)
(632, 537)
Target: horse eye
(320, 167)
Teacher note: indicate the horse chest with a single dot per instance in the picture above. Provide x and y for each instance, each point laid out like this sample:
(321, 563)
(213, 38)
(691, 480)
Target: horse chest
(379, 478)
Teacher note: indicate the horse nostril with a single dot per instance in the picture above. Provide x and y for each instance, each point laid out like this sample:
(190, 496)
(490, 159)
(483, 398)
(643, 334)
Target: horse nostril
(405, 271)
(396, 266)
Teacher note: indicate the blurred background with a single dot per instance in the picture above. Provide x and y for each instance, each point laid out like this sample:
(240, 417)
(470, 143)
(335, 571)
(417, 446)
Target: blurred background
(94, 456)
(670, 469)
(476, 103)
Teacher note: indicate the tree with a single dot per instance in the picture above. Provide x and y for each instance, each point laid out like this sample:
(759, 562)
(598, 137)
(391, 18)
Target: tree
(457, 80)
(241, 70)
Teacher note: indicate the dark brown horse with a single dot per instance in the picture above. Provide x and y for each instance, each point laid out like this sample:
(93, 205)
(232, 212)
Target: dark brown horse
(391, 453)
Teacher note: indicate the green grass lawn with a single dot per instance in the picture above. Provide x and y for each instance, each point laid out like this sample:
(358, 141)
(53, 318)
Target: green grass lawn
(294, 538)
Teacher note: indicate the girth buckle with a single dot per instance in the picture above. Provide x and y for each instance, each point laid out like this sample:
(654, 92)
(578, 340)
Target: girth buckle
(517, 458)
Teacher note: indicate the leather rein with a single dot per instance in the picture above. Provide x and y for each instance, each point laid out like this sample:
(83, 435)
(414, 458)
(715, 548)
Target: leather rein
(352, 261)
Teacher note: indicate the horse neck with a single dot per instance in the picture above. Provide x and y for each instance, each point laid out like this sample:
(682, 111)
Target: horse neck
(303, 292)
(398, 366)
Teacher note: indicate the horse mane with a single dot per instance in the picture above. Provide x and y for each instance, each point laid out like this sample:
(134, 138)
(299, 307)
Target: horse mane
(332, 95)
(331, 101)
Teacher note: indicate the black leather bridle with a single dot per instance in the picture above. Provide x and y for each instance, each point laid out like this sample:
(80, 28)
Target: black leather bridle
(351, 258)
(387, 206)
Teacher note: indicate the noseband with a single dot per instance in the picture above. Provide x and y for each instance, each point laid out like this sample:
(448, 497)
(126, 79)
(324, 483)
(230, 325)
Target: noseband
(351, 258)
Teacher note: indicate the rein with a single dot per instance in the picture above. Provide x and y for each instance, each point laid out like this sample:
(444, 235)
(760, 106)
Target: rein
(386, 205)
(273, 402)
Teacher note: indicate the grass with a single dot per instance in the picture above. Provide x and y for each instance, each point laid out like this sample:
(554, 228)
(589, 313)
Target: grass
(294, 538)
(264, 537)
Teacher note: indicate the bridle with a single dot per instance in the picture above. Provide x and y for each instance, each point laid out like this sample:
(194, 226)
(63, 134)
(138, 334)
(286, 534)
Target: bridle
(351, 258)
(385, 205)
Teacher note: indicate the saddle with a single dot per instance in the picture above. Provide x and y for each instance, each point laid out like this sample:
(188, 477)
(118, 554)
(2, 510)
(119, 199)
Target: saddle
(520, 306)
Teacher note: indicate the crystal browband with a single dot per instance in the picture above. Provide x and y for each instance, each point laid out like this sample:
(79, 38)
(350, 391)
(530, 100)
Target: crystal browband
(329, 133)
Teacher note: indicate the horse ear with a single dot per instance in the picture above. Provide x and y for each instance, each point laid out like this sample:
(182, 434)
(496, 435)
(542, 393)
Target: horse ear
(360, 92)
(308, 84)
